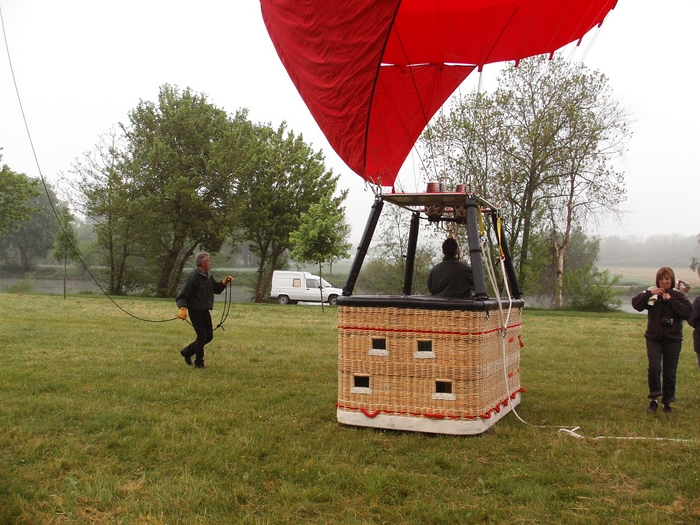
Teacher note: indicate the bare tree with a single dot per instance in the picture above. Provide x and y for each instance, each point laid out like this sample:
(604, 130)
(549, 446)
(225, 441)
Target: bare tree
(539, 146)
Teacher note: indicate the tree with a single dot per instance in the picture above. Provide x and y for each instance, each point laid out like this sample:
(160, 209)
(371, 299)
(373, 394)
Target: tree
(585, 287)
(284, 176)
(594, 132)
(322, 236)
(105, 196)
(695, 262)
(66, 246)
(384, 273)
(16, 190)
(166, 187)
(184, 181)
(539, 147)
(34, 237)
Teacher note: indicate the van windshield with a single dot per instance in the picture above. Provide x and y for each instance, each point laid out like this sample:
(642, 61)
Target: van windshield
(326, 284)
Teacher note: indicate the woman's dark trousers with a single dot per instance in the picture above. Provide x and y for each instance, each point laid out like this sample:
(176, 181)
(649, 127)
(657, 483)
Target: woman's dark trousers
(663, 363)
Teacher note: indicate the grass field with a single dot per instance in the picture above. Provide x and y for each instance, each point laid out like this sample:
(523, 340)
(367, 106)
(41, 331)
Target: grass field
(101, 422)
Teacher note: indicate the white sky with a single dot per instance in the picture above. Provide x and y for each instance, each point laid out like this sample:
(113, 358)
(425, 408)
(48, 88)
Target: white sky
(81, 65)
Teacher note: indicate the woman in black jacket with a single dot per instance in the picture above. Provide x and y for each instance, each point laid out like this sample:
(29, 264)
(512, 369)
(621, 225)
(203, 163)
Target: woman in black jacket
(666, 310)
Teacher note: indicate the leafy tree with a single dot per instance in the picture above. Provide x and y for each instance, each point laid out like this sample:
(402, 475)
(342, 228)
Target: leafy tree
(592, 290)
(182, 180)
(105, 195)
(16, 190)
(66, 246)
(322, 236)
(585, 287)
(594, 132)
(539, 147)
(34, 237)
(384, 272)
(695, 262)
(284, 176)
(168, 189)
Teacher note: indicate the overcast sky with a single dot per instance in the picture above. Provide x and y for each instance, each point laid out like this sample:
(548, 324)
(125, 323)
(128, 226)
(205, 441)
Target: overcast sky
(81, 65)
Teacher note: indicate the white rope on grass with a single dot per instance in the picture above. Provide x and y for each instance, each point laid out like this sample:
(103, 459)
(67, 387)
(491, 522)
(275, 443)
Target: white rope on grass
(574, 433)
(569, 431)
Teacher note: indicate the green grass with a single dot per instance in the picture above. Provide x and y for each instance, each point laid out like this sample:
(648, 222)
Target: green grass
(102, 422)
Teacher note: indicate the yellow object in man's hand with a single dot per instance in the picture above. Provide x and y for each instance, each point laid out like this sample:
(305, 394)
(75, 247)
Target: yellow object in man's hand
(227, 279)
(182, 314)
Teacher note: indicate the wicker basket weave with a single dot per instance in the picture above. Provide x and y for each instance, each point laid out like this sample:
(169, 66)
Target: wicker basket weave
(426, 364)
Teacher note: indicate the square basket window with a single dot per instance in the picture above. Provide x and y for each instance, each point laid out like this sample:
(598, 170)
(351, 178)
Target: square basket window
(361, 381)
(378, 343)
(443, 387)
(443, 390)
(425, 346)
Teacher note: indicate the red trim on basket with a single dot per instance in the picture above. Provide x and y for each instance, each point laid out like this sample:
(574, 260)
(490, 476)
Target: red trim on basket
(406, 331)
(520, 341)
(485, 415)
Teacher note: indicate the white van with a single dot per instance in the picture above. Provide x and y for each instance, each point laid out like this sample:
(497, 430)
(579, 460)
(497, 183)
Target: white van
(290, 287)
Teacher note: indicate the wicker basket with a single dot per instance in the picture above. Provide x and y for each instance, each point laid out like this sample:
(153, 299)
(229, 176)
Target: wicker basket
(427, 369)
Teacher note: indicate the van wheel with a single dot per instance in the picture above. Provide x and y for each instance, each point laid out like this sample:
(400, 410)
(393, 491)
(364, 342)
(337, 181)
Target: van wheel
(333, 300)
(283, 299)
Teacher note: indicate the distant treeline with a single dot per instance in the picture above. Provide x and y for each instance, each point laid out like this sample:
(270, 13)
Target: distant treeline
(655, 251)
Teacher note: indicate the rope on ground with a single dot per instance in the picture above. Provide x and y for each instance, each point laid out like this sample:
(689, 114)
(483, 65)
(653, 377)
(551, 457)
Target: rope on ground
(53, 207)
(568, 431)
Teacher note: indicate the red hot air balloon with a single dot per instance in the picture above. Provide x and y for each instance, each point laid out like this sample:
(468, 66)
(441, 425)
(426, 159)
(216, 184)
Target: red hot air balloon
(373, 72)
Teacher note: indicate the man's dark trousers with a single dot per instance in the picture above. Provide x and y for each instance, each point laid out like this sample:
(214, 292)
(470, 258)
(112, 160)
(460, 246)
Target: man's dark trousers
(201, 322)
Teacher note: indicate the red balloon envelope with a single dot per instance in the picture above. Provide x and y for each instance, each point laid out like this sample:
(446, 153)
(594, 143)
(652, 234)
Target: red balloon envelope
(373, 72)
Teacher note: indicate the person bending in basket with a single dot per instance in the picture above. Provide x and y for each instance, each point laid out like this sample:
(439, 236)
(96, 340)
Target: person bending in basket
(666, 309)
(451, 278)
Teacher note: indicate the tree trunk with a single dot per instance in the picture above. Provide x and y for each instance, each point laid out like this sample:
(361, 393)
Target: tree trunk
(559, 283)
(320, 285)
(65, 271)
(23, 259)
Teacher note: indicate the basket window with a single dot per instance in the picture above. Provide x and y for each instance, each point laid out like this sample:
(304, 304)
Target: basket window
(425, 346)
(379, 344)
(361, 382)
(443, 387)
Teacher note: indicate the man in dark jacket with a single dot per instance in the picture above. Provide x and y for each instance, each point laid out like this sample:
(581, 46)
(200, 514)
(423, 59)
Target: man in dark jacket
(451, 277)
(197, 297)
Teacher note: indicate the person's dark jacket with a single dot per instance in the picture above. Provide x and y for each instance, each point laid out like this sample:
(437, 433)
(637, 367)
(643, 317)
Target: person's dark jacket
(664, 318)
(694, 321)
(197, 292)
(451, 278)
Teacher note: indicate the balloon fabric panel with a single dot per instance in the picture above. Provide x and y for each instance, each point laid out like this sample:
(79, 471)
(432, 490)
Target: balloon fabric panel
(374, 72)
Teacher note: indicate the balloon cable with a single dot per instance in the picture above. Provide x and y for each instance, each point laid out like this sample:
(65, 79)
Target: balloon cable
(569, 431)
(53, 207)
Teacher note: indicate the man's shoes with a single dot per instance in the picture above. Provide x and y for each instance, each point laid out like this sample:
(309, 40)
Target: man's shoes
(668, 409)
(653, 405)
(199, 365)
(188, 358)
